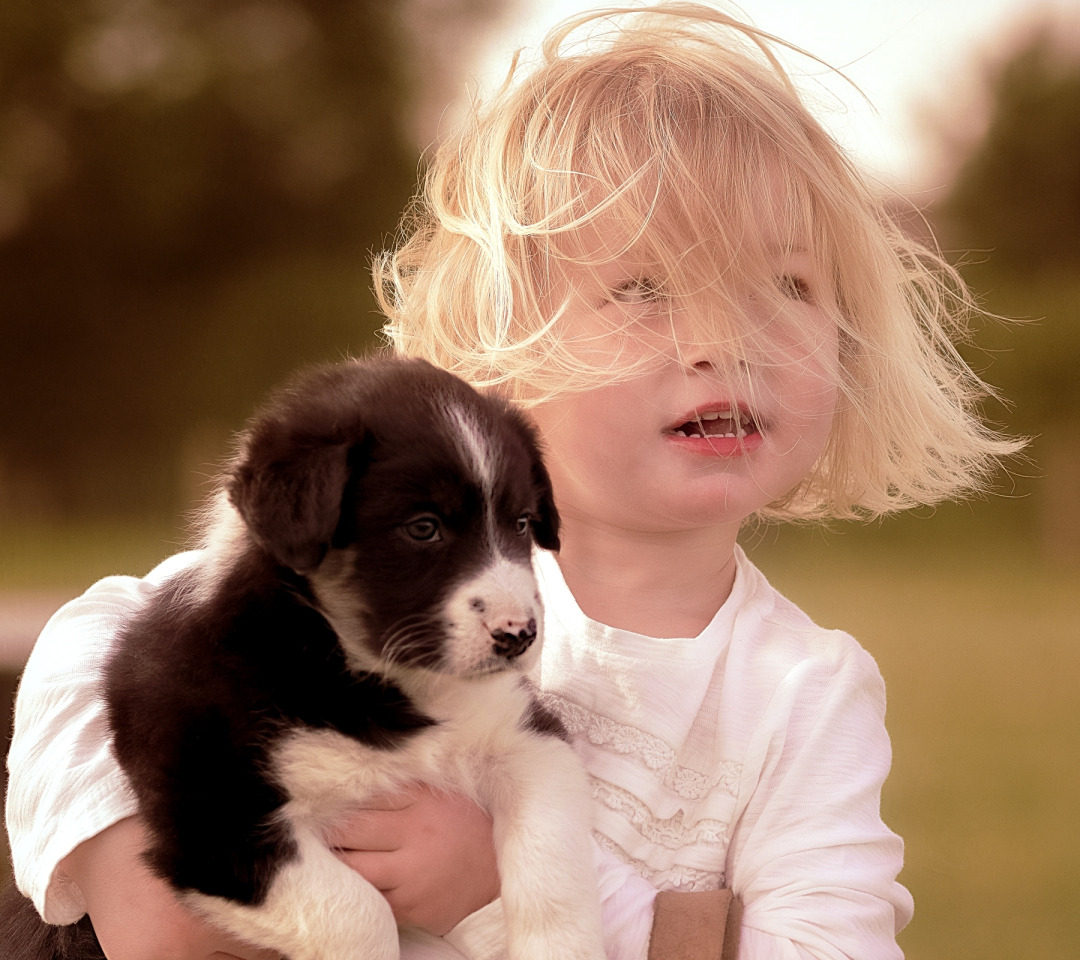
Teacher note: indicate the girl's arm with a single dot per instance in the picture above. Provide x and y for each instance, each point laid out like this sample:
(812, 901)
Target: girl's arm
(64, 785)
(135, 914)
(810, 856)
(75, 842)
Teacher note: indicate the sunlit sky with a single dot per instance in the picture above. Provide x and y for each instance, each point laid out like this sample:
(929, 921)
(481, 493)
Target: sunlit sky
(906, 56)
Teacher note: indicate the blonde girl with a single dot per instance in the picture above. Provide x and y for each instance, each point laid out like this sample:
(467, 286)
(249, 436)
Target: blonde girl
(647, 240)
(671, 140)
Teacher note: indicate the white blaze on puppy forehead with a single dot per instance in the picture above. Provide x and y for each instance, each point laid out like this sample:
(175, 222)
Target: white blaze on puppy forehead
(475, 443)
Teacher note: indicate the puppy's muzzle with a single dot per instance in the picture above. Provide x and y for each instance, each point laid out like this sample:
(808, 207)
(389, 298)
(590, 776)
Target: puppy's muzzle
(512, 645)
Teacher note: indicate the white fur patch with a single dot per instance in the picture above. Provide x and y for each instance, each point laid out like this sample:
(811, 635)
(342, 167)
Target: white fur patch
(474, 444)
(317, 909)
(533, 786)
(503, 597)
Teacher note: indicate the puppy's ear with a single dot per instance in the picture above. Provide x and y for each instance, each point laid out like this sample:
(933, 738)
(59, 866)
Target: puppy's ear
(290, 497)
(545, 525)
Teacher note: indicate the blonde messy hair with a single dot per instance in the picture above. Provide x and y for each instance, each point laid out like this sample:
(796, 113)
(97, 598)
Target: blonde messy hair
(663, 128)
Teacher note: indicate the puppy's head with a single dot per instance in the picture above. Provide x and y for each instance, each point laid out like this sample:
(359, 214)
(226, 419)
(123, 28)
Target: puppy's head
(411, 504)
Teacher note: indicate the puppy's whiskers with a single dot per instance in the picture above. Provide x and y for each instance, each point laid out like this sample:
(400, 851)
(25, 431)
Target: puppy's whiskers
(413, 641)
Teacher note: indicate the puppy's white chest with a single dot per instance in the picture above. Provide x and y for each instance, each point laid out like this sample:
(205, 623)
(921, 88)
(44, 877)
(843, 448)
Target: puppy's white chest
(328, 775)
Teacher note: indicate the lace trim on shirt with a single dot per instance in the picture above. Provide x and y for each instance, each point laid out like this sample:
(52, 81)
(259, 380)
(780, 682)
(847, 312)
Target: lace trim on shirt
(677, 877)
(654, 753)
(672, 833)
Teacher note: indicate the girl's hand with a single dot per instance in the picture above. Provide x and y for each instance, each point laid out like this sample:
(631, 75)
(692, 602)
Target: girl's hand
(431, 854)
(135, 914)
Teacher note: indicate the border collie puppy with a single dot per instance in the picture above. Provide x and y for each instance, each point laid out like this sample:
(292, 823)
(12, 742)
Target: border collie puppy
(362, 616)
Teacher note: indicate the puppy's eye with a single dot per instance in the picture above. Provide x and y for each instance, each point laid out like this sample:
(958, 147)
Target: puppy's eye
(425, 529)
(523, 523)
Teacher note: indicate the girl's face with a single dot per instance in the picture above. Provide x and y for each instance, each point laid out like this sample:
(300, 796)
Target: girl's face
(690, 442)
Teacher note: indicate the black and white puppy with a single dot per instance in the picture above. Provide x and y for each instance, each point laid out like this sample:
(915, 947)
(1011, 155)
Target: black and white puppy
(362, 617)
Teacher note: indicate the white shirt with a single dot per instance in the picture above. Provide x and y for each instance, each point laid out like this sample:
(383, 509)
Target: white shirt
(751, 755)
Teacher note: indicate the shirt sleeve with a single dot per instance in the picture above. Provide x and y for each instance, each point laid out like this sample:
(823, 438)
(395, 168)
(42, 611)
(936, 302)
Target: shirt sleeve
(64, 784)
(810, 856)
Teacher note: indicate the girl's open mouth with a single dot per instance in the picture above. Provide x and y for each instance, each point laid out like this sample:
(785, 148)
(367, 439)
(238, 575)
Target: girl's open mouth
(727, 423)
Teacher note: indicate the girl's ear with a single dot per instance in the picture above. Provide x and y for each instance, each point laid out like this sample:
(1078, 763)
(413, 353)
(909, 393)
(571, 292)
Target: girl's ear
(289, 494)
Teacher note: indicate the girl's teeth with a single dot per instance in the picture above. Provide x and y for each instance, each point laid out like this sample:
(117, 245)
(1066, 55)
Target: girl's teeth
(738, 423)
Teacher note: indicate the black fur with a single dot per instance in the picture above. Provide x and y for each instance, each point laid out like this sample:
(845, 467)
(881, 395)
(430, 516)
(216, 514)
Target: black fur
(540, 719)
(212, 672)
(199, 694)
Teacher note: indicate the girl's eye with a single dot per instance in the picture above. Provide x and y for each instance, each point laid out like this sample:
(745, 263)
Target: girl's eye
(424, 529)
(795, 287)
(638, 290)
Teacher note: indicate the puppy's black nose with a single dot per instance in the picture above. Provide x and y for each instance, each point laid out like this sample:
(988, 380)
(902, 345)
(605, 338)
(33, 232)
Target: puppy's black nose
(513, 645)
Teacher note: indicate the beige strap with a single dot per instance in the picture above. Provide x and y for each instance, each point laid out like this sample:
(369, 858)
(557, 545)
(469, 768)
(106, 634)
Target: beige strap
(695, 926)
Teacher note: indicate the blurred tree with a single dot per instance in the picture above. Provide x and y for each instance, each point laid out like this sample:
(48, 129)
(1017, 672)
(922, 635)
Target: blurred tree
(189, 195)
(1015, 201)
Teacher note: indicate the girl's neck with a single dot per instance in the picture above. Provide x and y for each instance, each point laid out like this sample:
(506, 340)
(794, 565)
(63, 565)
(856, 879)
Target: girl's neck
(666, 584)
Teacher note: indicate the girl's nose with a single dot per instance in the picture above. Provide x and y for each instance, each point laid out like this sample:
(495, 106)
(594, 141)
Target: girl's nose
(713, 362)
(694, 355)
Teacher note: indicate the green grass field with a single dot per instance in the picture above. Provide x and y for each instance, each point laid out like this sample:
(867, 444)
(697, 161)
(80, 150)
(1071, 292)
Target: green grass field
(980, 649)
(981, 656)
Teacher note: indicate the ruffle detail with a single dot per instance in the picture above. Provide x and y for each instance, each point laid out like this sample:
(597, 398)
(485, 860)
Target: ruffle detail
(652, 752)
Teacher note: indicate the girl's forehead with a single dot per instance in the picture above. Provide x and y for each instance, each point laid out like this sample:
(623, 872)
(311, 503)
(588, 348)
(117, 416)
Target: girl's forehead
(764, 223)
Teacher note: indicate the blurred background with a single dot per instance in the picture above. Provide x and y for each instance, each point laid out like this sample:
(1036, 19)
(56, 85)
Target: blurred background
(190, 194)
